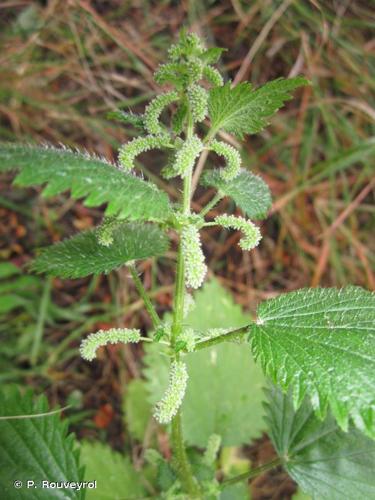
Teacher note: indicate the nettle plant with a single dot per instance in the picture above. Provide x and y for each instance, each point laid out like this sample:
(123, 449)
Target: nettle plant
(315, 346)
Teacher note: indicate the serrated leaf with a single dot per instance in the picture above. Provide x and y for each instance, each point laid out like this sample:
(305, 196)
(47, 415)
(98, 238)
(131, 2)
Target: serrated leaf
(82, 254)
(248, 191)
(137, 410)
(224, 393)
(96, 180)
(326, 462)
(34, 449)
(242, 110)
(116, 478)
(322, 342)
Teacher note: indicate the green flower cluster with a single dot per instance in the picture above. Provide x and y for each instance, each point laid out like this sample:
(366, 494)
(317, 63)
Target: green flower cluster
(186, 155)
(251, 233)
(198, 98)
(167, 408)
(232, 158)
(195, 268)
(101, 338)
(129, 151)
(154, 110)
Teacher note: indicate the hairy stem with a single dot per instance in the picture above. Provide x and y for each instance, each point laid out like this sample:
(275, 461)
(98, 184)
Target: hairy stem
(211, 204)
(226, 337)
(146, 299)
(254, 472)
(183, 467)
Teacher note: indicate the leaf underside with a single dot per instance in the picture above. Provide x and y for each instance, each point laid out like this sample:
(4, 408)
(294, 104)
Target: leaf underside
(322, 343)
(326, 462)
(241, 110)
(34, 449)
(83, 255)
(248, 191)
(96, 180)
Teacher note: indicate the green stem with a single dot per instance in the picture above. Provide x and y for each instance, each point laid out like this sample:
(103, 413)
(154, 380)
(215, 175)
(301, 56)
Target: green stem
(254, 472)
(183, 467)
(211, 204)
(226, 337)
(182, 464)
(146, 299)
(38, 334)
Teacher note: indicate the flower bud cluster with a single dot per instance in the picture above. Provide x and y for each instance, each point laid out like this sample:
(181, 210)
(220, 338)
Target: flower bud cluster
(179, 117)
(129, 151)
(104, 232)
(232, 158)
(186, 155)
(154, 110)
(198, 98)
(189, 304)
(189, 44)
(101, 338)
(195, 267)
(188, 336)
(213, 76)
(251, 233)
(167, 408)
(213, 446)
(166, 73)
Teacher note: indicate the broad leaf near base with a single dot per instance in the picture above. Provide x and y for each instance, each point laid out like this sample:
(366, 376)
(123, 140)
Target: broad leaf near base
(326, 462)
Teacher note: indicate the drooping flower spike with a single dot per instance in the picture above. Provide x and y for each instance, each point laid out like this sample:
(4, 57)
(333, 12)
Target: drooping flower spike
(195, 268)
(129, 151)
(232, 158)
(213, 76)
(154, 110)
(251, 233)
(186, 155)
(167, 408)
(101, 338)
(104, 232)
(198, 98)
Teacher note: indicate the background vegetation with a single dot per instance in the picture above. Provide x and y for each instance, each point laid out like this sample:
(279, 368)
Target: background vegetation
(65, 65)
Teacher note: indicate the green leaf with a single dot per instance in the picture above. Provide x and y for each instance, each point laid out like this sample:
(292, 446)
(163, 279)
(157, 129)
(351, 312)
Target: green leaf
(8, 269)
(224, 393)
(242, 110)
(116, 479)
(82, 254)
(34, 449)
(326, 462)
(211, 55)
(235, 492)
(91, 178)
(9, 302)
(322, 342)
(248, 191)
(300, 495)
(137, 409)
